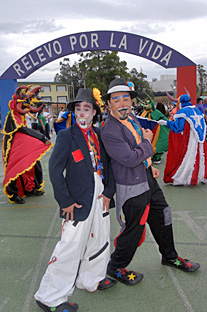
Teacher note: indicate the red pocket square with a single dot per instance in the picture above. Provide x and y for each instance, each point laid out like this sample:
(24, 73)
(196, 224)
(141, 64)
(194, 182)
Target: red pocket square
(77, 155)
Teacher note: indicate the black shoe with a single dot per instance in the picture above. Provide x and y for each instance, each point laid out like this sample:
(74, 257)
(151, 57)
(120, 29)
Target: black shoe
(69, 307)
(19, 200)
(38, 193)
(106, 283)
(126, 277)
(157, 162)
(181, 264)
(34, 192)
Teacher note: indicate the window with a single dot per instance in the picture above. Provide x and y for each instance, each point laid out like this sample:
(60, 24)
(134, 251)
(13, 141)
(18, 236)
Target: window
(61, 88)
(62, 99)
(46, 98)
(45, 89)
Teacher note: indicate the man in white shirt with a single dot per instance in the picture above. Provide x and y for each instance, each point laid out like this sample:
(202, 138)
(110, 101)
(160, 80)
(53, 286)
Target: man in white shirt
(61, 113)
(47, 116)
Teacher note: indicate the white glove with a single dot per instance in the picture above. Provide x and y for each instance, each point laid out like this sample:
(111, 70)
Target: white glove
(162, 122)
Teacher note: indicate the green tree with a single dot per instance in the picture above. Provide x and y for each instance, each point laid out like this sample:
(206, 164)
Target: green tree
(74, 74)
(93, 69)
(141, 84)
(202, 79)
(98, 69)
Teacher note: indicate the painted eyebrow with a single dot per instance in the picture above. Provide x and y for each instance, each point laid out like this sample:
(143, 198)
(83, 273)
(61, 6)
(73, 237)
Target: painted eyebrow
(118, 97)
(85, 105)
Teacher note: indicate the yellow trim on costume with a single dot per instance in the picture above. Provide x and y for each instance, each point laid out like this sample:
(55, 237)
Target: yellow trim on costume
(23, 118)
(11, 135)
(5, 123)
(6, 152)
(41, 186)
(155, 139)
(19, 174)
(145, 113)
(35, 118)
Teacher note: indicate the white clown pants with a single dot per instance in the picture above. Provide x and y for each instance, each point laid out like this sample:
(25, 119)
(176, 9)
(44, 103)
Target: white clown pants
(81, 257)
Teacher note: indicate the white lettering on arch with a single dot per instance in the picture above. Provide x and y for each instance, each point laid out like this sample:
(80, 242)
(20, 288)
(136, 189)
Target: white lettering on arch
(150, 47)
(141, 48)
(112, 45)
(123, 43)
(83, 37)
(40, 54)
(158, 49)
(48, 49)
(94, 39)
(166, 58)
(26, 63)
(33, 62)
(57, 47)
(73, 41)
(18, 69)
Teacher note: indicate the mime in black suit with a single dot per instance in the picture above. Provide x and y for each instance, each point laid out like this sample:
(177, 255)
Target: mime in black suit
(84, 189)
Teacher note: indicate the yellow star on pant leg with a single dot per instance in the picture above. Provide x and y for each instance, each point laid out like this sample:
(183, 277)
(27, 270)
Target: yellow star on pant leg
(131, 276)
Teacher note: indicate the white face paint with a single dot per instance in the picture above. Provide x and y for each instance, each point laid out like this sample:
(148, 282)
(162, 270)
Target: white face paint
(82, 123)
(84, 113)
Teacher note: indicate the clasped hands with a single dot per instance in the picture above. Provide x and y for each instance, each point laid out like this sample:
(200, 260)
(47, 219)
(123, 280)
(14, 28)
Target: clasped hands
(69, 211)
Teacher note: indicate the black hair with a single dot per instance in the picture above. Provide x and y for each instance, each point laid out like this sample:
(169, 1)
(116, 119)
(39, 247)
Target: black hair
(161, 107)
(39, 112)
(199, 99)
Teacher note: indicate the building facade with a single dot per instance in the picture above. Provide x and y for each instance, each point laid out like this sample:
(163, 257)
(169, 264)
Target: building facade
(166, 83)
(55, 94)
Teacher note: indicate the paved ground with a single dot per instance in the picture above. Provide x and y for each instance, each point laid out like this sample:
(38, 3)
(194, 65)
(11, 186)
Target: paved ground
(29, 232)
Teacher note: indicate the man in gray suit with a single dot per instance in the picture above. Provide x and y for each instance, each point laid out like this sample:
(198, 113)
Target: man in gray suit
(138, 194)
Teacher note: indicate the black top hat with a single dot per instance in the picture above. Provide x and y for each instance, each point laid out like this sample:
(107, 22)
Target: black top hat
(84, 94)
(119, 85)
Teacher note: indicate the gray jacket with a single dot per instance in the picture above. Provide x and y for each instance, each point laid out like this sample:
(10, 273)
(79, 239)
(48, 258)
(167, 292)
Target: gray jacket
(126, 159)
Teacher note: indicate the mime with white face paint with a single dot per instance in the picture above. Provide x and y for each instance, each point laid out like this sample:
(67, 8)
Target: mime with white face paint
(84, 186)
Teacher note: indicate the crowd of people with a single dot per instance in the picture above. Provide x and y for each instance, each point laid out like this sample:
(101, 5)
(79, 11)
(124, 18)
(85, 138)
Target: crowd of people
(98, 154)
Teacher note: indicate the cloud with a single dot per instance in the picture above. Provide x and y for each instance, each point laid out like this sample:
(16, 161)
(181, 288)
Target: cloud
(177, 24)
(148, 11)
(146, 29)
(145, 11)
(52, 67)
(30, 27)
(201, 60)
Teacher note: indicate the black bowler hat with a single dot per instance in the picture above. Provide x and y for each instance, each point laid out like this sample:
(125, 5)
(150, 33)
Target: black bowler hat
(84, 94)
(120, 85)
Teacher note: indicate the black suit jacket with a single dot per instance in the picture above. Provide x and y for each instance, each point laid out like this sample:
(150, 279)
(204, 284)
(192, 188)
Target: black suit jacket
(71, 172)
